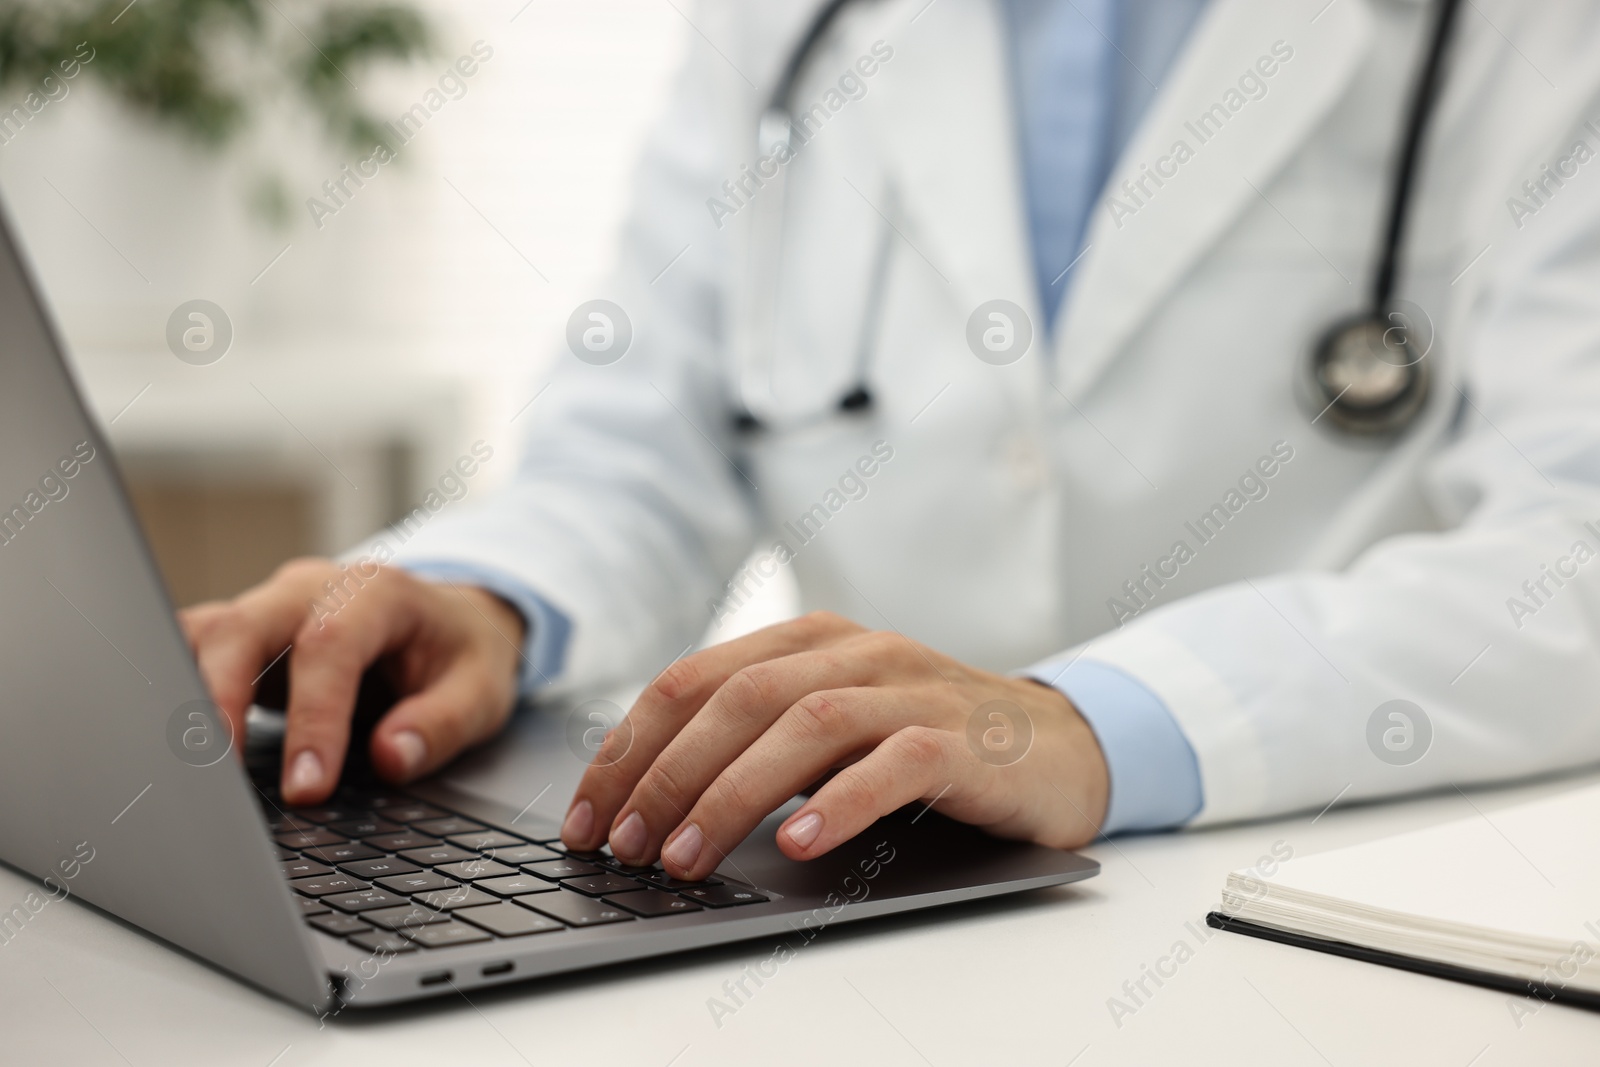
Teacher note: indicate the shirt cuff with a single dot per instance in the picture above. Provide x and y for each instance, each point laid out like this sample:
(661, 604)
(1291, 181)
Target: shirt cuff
(548, 630)
(1154, 775)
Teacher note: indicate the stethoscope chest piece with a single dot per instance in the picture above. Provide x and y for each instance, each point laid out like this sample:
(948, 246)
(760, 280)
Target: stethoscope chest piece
(1367, 377)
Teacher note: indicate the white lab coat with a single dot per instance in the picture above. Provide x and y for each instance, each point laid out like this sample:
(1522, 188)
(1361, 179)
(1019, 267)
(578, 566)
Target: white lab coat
(1019, 499)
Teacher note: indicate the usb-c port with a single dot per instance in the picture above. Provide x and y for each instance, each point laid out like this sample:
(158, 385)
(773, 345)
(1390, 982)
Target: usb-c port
(436, 978)
(503, 967)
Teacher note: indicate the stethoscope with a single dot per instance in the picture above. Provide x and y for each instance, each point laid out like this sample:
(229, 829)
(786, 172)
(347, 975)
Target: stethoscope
(1364, 375)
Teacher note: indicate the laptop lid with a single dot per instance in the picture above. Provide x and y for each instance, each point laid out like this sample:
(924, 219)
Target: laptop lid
(117, 783)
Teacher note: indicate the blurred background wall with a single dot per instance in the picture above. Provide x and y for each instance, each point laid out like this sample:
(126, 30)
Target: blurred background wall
(368, 353)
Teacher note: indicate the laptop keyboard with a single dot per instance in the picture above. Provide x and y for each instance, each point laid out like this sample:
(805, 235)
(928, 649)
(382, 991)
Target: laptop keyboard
(390, 873)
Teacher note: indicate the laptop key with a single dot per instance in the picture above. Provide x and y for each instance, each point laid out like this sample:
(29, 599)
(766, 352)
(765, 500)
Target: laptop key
(299, 868)
(312, 906)
(574, 909)
(382, 942)
(368, 798)
(724, 896)
(407, 811)
(337, 854)
(404, 917)
(379, 868)
(485, 840)
(327, 884)
(309, 838)
(473, 869)
(403, 840)
(596, 885)
(421, 882)
(666, 881)
(280, 823)
(443, 935)
(517, 855)
(652, 903)
(626, 869)
(453, 824)
(327, 815)
(284, 854)
(508, 920)
(338, 925)
(363, 900)
(582, 857)
(555, 870)
(516, 885)
(364, 827)
(461, 896)
(436, 855)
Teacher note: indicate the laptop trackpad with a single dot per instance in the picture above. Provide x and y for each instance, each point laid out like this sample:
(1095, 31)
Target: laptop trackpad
(913, 852)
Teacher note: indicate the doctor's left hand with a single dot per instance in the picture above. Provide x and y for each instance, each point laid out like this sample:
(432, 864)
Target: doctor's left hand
(728, 735)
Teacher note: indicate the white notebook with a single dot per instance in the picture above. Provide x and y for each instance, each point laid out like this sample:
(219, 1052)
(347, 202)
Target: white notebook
(1506, 898)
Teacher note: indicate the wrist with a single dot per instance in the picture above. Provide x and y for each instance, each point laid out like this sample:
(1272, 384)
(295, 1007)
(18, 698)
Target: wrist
(1079, 784)
(500, 614)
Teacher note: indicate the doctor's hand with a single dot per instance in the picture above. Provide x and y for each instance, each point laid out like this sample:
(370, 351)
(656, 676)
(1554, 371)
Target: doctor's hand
(726, 736)
(451, 652)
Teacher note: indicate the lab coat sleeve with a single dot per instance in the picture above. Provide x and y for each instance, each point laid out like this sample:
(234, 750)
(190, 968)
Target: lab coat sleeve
(1284, 684)
(1154, 778)
(626, 514)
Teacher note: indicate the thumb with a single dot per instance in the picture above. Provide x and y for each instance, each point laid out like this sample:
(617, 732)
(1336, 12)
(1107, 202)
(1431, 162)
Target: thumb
(427, 729)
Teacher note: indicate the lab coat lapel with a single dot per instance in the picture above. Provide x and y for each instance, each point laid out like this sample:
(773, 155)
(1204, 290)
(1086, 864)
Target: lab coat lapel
(950, 144)
(1141, 243)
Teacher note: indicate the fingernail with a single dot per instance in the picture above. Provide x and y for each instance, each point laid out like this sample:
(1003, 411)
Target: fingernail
(684, 849)
(627, 840)
(305, 773)
(805, 829)
(411, 748)
(579, 823)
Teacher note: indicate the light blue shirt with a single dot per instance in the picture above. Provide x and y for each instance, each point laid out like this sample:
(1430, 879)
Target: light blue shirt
(1085, 71)
(1153, 772)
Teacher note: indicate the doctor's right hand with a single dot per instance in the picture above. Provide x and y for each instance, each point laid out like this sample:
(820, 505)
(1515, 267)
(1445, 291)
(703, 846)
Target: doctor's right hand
(452, 653)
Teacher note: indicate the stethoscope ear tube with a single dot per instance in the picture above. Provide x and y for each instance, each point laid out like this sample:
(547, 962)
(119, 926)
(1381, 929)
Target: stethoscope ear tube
(775, 129)
(782, 98)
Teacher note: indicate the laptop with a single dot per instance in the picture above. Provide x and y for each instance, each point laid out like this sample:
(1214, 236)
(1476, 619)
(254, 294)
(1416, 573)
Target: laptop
(120, 785)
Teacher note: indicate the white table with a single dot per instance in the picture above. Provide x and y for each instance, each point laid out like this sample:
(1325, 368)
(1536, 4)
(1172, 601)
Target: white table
(1019, 981)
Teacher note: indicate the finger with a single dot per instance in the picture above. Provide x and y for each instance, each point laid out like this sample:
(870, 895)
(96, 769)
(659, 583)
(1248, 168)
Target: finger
(234, 642)
(821, 730)
(669, 702)
(426, 730)
(738, 713)
(192, 619)
(223, 654)
(915, 763)
(330, 654)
